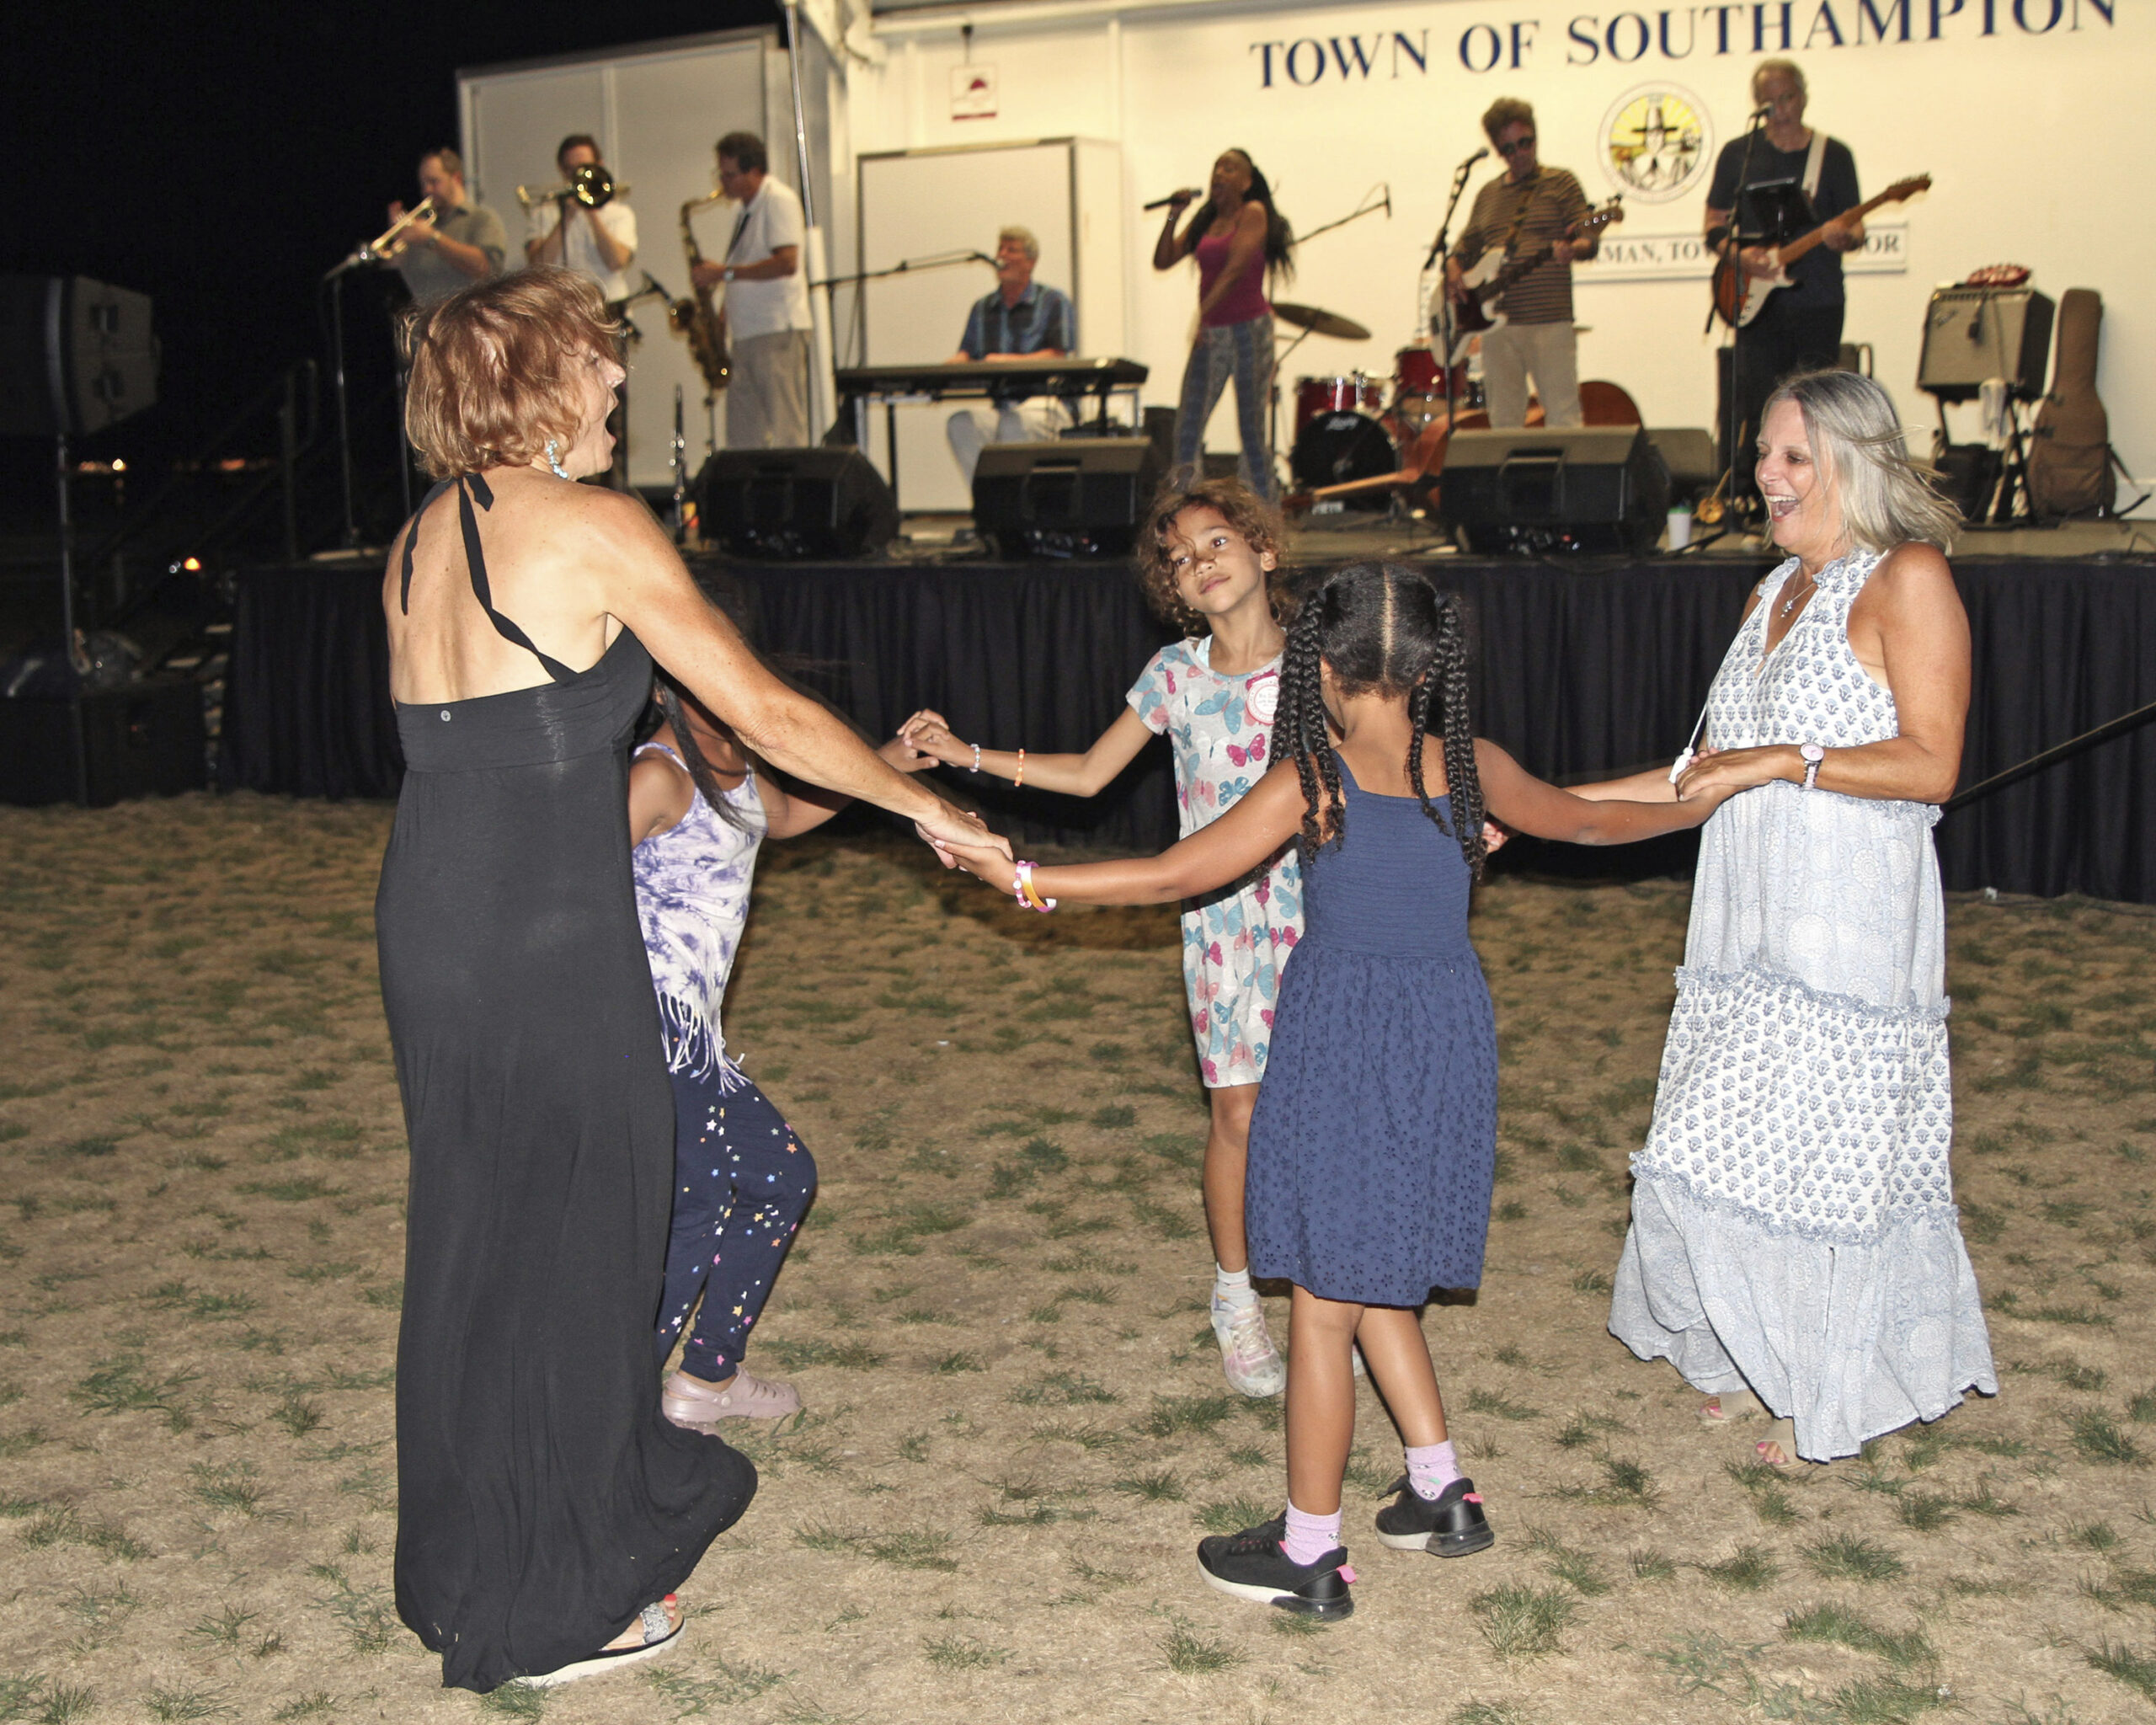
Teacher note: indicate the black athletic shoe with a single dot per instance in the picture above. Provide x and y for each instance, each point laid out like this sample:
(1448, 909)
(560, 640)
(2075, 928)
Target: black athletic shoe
(1251, 1566)
(1449, 1525)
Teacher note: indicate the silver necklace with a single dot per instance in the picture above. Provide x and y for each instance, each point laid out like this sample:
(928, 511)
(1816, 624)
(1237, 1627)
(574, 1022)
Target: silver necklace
(1790, 604)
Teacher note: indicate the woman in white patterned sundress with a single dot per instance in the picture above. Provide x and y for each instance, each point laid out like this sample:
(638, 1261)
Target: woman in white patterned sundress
(1209, 559)
(1794, 1232)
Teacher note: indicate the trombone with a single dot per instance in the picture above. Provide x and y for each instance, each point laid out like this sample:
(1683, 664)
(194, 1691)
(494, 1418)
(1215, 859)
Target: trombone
(423, 211)
(590, 185)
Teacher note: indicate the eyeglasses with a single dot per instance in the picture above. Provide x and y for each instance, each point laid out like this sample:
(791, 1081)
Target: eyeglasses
(1509, 151)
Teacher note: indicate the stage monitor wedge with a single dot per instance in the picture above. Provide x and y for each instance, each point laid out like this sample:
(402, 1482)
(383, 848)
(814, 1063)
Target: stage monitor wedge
(795, 505)
(76, 355)
(1075, 497)
(1595, 488)
(1974, 334)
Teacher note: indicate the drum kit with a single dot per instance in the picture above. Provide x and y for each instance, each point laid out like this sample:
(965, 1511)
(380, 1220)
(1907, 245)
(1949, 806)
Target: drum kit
(1354, 426)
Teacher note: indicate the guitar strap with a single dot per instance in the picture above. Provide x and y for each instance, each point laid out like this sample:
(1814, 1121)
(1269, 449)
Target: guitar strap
(1814, 164)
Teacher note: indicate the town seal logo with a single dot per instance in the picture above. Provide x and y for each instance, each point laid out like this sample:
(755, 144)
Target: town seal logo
(1656, 141)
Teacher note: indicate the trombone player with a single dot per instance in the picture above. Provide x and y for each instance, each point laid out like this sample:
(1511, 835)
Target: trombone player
(598, 240)
(452, 241)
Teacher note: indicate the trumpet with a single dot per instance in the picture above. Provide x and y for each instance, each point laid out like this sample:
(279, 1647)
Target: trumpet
(590, 184)
(423, 211)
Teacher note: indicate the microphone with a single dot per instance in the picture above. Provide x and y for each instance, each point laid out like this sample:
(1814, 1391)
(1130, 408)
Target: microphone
(1762, 112)
(1475, 158)
(1190, 191)
(1388, 203)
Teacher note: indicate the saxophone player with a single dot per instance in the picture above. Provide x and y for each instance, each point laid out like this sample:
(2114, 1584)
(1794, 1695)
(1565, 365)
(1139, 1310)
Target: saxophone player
(766, 302)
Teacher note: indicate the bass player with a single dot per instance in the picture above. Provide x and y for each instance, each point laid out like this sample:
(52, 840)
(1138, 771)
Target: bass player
(1529, 204)
(1795, 179)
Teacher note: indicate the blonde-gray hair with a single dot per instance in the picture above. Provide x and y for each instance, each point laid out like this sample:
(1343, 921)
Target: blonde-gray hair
(1788, 68)
(1857, 443)
(1024, 236)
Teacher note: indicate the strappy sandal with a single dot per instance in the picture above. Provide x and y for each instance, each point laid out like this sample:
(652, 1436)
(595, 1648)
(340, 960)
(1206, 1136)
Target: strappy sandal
(660, 1630)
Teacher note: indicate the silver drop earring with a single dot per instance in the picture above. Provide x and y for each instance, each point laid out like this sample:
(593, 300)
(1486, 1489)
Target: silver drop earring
(554, 459)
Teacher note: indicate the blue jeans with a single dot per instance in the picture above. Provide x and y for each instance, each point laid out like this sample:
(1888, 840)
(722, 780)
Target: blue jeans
(1245, 352)
(742, 1182)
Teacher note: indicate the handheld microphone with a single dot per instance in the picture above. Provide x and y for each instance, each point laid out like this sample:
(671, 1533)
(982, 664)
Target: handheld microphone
(1162, 203)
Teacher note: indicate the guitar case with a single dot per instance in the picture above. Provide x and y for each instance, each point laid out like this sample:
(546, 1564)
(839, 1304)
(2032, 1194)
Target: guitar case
(2070, 466)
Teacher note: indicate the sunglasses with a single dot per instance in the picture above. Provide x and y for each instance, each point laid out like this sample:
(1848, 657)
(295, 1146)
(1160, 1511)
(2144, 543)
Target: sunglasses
(1516, 146)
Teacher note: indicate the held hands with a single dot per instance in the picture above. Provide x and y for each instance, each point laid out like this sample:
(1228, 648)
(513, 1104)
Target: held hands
(955, 836)
(982, 862)
(903, 755)
(927, 733)
(1719, 773)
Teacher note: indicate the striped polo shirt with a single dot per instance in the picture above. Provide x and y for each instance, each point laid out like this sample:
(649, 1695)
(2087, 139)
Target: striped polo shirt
(1553, 201)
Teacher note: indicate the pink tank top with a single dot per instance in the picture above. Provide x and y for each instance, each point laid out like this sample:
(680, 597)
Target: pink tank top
(1243, 301)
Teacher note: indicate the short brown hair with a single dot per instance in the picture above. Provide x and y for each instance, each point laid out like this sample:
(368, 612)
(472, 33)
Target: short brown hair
(746, 152)
(1250, 515)
(572, 141)
(452, 162)
(1506, 111)
(492, 369)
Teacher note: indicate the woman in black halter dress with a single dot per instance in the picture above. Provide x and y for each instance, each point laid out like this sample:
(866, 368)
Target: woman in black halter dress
(543, 1503)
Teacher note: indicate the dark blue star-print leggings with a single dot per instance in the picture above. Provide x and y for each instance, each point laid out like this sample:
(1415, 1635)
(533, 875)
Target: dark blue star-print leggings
(742, 1182)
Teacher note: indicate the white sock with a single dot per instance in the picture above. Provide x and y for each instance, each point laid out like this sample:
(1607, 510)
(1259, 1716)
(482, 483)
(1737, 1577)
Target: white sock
(1232, 1287)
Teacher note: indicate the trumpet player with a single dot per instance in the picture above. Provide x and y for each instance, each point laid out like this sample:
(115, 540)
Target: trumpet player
(454, 241)
(598, 240)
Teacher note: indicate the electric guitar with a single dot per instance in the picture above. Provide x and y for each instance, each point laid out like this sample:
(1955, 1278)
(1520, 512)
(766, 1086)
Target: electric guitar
(1474, 315)
(1739, 298)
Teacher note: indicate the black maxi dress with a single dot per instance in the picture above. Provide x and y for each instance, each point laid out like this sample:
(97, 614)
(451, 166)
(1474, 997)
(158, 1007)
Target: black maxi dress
(542, 1498)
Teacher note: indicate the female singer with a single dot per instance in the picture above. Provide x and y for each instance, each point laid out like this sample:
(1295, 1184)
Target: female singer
(1237, 236)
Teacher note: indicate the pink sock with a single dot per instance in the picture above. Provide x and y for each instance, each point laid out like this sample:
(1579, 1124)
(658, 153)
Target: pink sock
(1431, 1467)
(1309, 1537)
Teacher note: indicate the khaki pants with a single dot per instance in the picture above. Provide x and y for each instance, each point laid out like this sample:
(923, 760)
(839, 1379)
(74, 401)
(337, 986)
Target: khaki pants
(1033, 420)
(767, 402)
(1549, 352)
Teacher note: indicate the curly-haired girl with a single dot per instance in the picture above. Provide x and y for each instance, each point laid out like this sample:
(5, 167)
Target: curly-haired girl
(1209, 560)
(1374, 1142)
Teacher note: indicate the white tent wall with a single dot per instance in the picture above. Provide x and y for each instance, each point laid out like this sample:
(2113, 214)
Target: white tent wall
(2033, 116)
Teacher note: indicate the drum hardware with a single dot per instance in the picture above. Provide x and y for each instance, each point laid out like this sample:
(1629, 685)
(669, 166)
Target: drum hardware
(589, 183)
(1354, 391)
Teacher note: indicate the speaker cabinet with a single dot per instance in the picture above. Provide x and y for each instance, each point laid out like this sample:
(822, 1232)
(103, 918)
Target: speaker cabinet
(1080, 497)
(143, 740)
(75, 355)
(790, 505)
(1972, 333)
(1600, 488)
(1688, 454)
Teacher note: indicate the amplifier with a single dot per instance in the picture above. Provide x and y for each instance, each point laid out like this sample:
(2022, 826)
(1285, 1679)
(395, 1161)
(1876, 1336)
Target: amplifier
(1973, 333)
(1599, 487)
(145, 740)
(786, 505)
(75, 355)
(1078, 497)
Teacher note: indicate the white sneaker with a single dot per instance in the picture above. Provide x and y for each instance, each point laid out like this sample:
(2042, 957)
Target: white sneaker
(1252, 1363)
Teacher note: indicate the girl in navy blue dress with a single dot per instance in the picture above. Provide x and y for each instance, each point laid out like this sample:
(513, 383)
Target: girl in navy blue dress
(1371, 1148)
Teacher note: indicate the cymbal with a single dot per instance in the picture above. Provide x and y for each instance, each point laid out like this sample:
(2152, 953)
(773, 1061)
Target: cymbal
(1319, 321)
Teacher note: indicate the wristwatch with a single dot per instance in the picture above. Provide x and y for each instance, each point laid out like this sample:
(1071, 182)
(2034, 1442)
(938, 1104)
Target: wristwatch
(1813, 754)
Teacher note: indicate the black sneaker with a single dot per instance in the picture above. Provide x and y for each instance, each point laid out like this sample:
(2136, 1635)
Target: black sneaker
(1448, 1526)
(1251, 1565)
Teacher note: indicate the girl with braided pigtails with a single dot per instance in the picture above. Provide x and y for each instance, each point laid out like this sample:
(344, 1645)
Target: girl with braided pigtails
(1374, 1137)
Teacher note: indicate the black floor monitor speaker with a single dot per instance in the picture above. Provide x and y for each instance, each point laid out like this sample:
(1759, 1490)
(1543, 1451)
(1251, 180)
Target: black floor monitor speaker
(1081, 497)
(1973, 333)
(1600, 488)
(145, 740)
(1689, 453)
(788, 506)
(75, 355)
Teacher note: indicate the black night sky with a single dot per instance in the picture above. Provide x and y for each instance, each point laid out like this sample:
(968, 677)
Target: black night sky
(220, 158)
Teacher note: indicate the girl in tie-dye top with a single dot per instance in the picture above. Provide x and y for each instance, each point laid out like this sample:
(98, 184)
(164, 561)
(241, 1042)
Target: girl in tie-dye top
(1210, 563)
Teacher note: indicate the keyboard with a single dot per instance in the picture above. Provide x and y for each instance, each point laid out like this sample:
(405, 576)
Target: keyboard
(999, 377)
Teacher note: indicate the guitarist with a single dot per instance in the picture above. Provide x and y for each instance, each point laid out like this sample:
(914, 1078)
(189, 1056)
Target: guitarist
(1800, 327)
(1529, 204)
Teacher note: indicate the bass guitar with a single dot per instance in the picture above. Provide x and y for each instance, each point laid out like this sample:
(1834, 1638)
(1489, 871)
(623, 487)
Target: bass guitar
(1739, 298)
(1474, 314)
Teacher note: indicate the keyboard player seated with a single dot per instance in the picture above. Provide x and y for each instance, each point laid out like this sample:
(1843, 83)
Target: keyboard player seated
(1020, 319)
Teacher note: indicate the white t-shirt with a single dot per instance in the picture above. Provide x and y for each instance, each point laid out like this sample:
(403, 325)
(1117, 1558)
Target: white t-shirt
(619, 221)
(769, 220)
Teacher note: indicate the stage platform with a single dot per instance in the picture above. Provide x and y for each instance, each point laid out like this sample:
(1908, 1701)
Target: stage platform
(1585, 665)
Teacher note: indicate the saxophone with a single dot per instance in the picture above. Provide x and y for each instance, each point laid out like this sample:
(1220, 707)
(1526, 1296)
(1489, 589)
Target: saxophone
(693, 315)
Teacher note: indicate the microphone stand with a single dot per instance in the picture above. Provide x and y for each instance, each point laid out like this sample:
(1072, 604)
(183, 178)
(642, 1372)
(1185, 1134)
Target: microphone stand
(1441, 253)
(1273, 407)
(1732, 409)
(335, 277)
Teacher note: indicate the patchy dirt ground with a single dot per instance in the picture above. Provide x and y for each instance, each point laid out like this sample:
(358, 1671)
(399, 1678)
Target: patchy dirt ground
(1017, 1427)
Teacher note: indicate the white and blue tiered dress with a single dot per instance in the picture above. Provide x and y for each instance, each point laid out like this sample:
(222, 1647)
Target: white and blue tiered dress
(1793, 1219)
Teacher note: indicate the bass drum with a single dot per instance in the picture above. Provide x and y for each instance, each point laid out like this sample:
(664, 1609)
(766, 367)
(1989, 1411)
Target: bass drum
(1334, 448)
(1352, 392)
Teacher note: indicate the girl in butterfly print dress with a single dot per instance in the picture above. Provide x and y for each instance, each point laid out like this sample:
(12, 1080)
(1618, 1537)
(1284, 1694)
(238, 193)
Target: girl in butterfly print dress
(1210, 564)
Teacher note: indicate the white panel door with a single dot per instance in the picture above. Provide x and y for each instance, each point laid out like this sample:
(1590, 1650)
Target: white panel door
(918, 205)
(668, 110)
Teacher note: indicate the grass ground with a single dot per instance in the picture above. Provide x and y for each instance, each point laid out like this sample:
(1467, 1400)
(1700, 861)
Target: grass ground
(1015, 1427)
